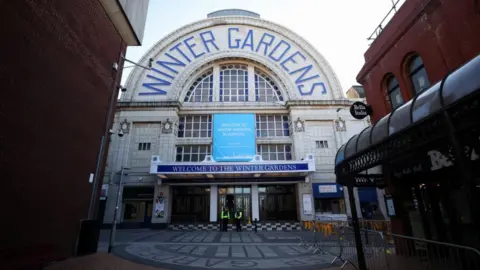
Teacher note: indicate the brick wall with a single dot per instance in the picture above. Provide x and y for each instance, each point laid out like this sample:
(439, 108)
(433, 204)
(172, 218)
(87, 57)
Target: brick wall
(56, 79)
(443, 32)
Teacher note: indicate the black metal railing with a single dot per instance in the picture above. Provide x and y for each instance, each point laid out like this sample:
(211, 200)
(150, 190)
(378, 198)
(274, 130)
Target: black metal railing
(396, 5)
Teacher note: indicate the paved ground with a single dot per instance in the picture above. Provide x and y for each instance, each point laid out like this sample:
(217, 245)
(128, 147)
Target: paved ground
(215, 250)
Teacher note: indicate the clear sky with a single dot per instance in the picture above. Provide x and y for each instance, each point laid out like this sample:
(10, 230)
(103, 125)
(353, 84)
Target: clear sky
(338, 29)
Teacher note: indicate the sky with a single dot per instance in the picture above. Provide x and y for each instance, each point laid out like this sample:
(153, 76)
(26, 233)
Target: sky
(338, 29)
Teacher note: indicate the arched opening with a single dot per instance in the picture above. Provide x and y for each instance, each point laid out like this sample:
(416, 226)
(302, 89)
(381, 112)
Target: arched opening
(417, 74)
(394, 92)
(266, 90)
(202, 88)
(233, 83)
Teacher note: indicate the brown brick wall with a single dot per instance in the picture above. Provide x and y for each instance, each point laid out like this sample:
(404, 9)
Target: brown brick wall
(443, 32)
(56, 79)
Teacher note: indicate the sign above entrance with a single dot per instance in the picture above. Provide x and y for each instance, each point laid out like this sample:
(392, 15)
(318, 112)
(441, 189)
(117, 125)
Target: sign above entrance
(233, 137)
(238, 168)
(360, 110)
(295, 62)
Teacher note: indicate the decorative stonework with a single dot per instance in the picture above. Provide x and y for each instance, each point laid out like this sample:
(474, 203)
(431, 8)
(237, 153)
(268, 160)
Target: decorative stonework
(340, 125)
(330, 77)
(125, 126)
(299, 125)
(167, 126)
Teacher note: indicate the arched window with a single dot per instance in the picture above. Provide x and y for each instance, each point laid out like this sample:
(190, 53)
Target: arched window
(265, 88)
(394, 93)
(233, 83)
(418, 75)
(201, 89)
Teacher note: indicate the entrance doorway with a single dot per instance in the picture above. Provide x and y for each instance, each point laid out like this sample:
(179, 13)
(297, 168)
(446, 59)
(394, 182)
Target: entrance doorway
(190, 204)
(235, 198)
(277, 202)
(137, 211)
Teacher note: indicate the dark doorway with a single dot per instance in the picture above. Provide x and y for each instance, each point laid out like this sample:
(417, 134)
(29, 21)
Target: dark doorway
(230, 202)
(190, 204)
(277, 202)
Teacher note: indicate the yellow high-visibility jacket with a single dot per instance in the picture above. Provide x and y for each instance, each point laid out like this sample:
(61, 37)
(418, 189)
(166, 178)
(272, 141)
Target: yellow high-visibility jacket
(238, 215)
(225, 215)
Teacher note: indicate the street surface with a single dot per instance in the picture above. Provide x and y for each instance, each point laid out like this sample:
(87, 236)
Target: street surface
(215, 250)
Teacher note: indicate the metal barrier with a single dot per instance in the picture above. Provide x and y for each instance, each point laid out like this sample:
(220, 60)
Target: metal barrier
(384, 250)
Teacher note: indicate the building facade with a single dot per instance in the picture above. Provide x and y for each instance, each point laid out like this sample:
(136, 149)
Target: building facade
(57, 81)
(421, 70)
(424, 40)
(236, 112)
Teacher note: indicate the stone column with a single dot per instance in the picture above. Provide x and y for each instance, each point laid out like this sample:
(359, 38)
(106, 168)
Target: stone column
(357, 203)
(213, 203)
(255, 206)
(302, 189)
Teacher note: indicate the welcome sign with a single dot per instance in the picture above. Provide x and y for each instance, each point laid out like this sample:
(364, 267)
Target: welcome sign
(233, 137)
(274, 47)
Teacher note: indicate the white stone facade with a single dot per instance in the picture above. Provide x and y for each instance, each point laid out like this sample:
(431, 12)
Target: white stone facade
(161, 105)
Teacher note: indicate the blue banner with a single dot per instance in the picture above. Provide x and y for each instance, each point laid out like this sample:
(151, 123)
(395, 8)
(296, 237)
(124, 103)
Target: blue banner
(253, 168)
(233, 137)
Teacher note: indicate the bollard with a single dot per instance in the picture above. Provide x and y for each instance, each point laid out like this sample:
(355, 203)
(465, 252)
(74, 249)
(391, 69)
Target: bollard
(255, 225)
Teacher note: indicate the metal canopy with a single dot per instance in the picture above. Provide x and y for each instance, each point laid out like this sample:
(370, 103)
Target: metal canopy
(424, 119)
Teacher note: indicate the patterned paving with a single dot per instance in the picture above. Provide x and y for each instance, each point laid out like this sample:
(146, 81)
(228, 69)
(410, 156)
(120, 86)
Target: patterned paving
(265, 226)
(220, 250)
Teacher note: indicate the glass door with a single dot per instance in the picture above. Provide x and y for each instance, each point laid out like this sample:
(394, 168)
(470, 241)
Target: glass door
(235, 198)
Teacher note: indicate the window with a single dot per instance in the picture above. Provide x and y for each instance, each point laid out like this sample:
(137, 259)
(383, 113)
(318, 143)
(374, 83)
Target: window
(265, 88)
(394, 93)
(233, 83)
(202, 89)
(273, 126)
(418, 75)
(333, 206)
(144, 146)
(195, 126)
(275, 151)
(321, 144)
(192, 153)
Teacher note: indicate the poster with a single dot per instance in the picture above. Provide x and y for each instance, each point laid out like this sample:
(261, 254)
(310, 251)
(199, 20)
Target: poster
(307, 204)
(390, 206)
(160, 207)
(104, 192)
(234, 137)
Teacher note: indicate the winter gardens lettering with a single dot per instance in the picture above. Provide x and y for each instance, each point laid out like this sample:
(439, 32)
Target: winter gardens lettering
(230, 168)
(293, 61)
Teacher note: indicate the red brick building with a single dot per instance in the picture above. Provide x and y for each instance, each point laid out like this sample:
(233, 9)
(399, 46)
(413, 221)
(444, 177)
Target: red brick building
(443, 34)
(57, 83)
(423, 42)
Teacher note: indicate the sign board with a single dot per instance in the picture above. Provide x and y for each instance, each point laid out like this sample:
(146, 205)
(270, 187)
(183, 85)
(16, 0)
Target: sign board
(327, 188)
(234, 137)
(307, 204)
(360, 110)
(284, 53)
(230, 168)
(390, 205)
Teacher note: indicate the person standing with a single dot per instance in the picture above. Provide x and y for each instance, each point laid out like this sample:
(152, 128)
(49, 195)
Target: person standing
(238, 219)
(225, 217)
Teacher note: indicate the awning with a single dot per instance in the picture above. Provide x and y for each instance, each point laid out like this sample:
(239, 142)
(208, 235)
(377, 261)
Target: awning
(414, 124)
(327, 190)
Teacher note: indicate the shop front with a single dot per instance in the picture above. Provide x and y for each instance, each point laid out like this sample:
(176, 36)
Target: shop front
(263, 191)
(329, 201)
(425, 155)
